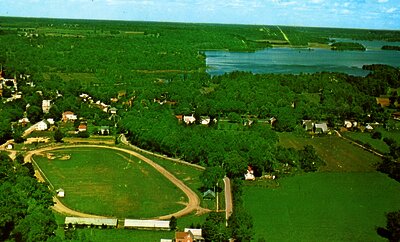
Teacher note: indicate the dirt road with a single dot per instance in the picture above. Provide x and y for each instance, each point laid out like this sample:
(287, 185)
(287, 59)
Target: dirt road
(193, 200)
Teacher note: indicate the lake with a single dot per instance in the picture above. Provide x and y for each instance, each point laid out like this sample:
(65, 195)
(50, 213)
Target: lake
(296, 61)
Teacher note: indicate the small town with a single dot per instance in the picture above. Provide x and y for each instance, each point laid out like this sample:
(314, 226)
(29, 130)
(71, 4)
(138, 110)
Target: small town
(199, 121)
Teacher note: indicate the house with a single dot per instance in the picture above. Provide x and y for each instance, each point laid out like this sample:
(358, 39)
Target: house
(104, 130)
(197, 234)
(68, 116)
(208, 195)
(50, 121)
(184, 237)
(369, 127)
(113, 110)
(179, 117)
(250, 174)
(396, 115)
(348, 124)
(272, 120)
(383, 101)
(23, 122)
(308, 125)
(42, 126)
(82, 127)
(46, 105)
(189, 119)
(205, 120)
(60, 192)
(321, 128)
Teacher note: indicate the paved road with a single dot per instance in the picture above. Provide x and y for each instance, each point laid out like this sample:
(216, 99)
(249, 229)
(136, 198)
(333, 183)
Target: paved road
(192, 205)
(228, 198)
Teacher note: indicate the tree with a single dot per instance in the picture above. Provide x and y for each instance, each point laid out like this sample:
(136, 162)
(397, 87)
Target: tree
(241, 224)
(34, 113)
(234, 164)
(214, 228)
(211, 176)
(24, 205)
(58, 136)
(173, 222)
(392, 230)
(309, 160)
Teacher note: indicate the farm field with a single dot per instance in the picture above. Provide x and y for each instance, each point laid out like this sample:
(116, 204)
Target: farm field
(377, 144)
(366, 138)
(323, 207)
(338, 154)
(110, 183)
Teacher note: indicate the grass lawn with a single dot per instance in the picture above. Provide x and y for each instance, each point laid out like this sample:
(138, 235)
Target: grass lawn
(366, 138)
(190, 176)
(323, 207)
(377, 144)
(111, 183)
(339, 155)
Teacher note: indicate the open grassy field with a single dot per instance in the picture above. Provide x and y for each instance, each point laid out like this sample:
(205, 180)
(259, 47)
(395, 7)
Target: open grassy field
(323, 207)
(106, 182)
(377, 144)
(366, 138)
(190, 176)
(338, 154)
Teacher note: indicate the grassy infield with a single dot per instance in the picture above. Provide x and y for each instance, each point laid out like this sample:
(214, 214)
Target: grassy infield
(346, 201)
(90, 174)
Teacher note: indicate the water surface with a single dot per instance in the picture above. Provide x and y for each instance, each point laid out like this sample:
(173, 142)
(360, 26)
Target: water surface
(296, 61)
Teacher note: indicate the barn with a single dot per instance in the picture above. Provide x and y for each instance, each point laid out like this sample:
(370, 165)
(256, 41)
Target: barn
(146, 224)
(83, 222)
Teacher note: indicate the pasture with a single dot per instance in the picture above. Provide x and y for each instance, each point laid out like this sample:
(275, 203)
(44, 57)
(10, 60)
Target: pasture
(338, 154)
(377, 144)
(323, 207)
(110, 183)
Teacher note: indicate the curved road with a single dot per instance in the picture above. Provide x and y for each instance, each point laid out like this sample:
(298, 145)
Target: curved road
(192, 205)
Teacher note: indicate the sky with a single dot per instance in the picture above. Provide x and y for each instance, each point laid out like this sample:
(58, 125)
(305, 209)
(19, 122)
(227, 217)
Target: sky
(367, 14)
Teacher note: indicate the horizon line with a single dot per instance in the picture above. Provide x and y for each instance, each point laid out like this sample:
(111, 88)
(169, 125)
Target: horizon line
(180, 22)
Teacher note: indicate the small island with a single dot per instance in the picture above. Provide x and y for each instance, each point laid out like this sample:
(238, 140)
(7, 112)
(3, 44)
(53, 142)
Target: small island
(347, 46)
(391, 47)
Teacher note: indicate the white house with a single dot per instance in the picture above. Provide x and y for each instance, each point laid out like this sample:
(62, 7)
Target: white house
(321, 128)
(68, 116)
(42, 126)
(51, 121)
(46, 105)
(60, 192)
(205, 120)
(250, 174)
(189, 119)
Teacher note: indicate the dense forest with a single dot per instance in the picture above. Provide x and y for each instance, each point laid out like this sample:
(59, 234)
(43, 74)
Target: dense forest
(347, 46)
(24, 204)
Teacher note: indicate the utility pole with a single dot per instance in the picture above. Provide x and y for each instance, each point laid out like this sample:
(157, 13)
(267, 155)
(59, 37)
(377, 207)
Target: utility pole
(217, 197)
